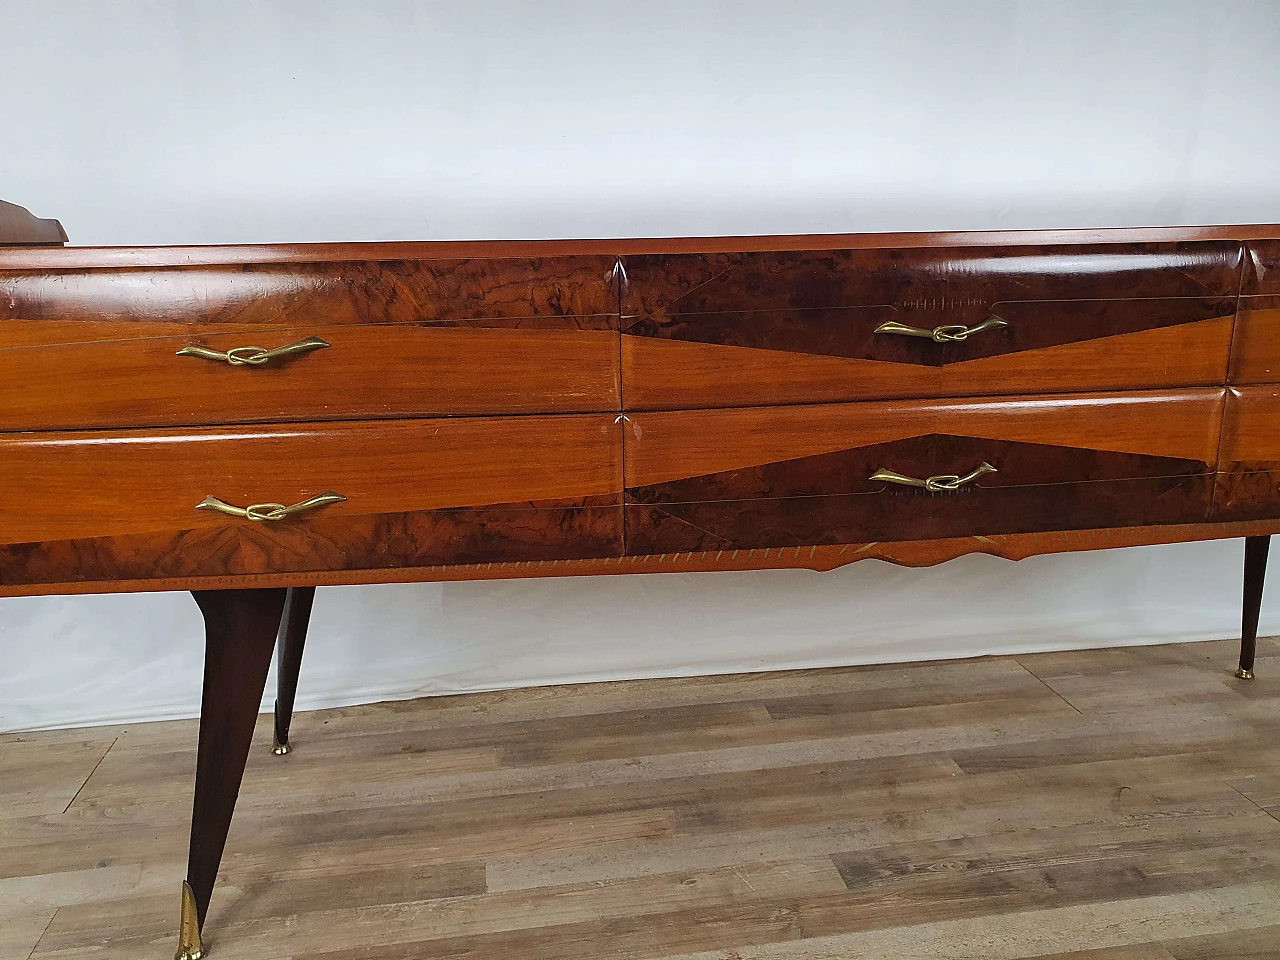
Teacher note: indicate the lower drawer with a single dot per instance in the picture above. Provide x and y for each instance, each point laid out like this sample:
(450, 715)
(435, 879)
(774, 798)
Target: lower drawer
(134, 505)
(1248, 485)
(857, 473)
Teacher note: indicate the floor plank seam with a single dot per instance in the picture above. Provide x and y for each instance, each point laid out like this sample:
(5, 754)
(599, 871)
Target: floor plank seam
(91, 773)
(36, 946)
(1252, 801)
(1048, 687)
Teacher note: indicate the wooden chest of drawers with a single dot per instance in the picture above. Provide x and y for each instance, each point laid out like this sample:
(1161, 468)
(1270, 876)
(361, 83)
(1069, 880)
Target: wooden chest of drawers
(241, 420)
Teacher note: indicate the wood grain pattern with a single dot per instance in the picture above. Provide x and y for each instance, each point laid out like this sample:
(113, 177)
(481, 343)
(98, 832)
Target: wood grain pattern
(382, 547)
(664, 374)
(959, 285)
(368, 371)
(80, 258)
(1256, 349)
(1088, 805)
(111, 483)
(1248, 485)
(666, 446)
(18, 227)
(1262, 268)
(566, 289)
(830, 498)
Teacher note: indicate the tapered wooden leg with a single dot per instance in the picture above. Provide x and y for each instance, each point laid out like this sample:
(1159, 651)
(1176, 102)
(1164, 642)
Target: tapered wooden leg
(240, 632)
(1255, 572)
(293, 635)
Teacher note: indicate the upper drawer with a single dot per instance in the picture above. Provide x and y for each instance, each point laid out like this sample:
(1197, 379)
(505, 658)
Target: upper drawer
(98, 347)
(1262, 269)
(347, 372)
(797, 476)
(124, 504)
(809, 326)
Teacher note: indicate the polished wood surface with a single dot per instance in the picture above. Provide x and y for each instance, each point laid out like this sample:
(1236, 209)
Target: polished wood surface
(553, 289)
(112, 483)
(916, 553)
(669, 374)
(35, 258)
(290, 642)
(468, 404)
(799, 476)
(1262, 270)
(1090, 805)
(1256, 350)
(667, 446)
(19, 227)
(240, 632)
(1248, 486)
(367, 371)
(1255, 572)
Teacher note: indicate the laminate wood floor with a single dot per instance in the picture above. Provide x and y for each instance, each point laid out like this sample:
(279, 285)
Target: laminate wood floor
(1104, 805)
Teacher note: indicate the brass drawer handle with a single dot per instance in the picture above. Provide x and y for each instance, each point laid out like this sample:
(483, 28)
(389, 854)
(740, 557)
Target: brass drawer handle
(253, 356)
(943, 481)
(947, 333)
(270, 511)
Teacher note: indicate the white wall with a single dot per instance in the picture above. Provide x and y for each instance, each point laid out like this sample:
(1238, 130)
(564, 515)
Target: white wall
(191, 122)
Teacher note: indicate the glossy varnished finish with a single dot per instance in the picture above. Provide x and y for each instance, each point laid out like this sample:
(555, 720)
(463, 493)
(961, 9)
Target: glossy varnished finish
(290, 642)
(789, 327)
(367, 371)
(565, 289)
(1255, 573)
(668, 374)
(1262, 268)
(240, 632)
(798, 476)
(1256, 351)
(98, 506)
(1248, 485)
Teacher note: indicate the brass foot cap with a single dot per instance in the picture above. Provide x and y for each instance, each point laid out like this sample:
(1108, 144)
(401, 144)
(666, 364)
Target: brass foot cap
(1244, 674)
(189, 945)
(280, 749)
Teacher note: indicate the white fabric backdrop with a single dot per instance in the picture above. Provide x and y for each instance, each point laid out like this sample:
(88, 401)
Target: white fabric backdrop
(179, 121)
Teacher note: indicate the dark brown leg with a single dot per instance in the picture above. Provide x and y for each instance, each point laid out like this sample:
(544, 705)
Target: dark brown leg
(1255, 571)
(293, 634)
(240, 631)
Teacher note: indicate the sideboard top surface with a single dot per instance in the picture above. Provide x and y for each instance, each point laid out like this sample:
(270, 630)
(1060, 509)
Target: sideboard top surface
(61, 258)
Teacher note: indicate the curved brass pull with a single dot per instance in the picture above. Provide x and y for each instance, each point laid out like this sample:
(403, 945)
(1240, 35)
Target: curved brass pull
(947, 333)
(253, 356)
(270, 511)
(943, 481)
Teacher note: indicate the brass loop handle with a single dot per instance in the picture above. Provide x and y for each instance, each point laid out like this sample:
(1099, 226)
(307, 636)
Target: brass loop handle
(937, 484)
(259, 512)
(947, 333)
(253, 356)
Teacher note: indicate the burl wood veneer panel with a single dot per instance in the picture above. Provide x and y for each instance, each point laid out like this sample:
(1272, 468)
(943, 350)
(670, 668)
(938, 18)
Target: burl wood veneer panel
(792, 327)
(798, 476)
(121, 504)
(95, 347)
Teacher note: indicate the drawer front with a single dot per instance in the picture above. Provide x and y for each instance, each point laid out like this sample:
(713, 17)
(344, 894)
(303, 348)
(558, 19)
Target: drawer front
(1249, 467)
(806, 475)
(1261, 269)
(96, 347)
(1256, 348)
(122, 505)
(818, 326)
(361, 371)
